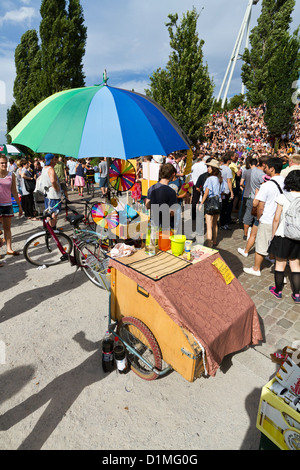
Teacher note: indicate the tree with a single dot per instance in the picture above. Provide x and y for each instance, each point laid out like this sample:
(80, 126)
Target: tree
(27, 92)
(54, 65)
(184, 87)
(63, 37)
(265, 39)
(282, 72)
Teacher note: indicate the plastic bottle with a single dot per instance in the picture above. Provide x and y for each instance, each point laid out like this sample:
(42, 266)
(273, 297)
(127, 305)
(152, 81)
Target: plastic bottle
(107, 353)
(120, 357)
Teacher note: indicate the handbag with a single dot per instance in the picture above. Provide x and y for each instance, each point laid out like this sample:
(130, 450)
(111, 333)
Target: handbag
(212, 205)
(29, 185)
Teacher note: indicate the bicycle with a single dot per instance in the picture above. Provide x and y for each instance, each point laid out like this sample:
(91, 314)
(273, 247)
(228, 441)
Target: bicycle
(87, 218)
(51, 247)
(90, 185)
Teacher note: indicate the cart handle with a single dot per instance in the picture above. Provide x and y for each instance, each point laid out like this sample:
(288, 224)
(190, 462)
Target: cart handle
(142, 291)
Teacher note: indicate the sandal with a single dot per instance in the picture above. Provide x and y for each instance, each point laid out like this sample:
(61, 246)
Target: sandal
(13, 253)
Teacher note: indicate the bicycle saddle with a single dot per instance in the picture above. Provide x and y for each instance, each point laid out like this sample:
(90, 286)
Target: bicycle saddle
(75, 219)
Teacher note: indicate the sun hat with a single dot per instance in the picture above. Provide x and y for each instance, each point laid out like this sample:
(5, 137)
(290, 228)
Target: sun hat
(48, 158)
(213, 163)
(158, 158)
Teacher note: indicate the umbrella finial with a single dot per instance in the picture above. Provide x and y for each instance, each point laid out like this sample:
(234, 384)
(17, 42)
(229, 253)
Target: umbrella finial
(105, 77)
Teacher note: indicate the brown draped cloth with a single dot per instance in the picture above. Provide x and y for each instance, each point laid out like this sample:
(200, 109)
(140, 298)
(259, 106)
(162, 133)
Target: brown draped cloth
(222, 317)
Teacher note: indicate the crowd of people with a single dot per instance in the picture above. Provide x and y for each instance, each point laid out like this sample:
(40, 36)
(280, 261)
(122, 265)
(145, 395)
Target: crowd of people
(236, 176)
(18, 179)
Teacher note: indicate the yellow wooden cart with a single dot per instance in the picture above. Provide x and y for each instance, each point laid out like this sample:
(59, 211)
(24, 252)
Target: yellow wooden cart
(163, 329)
(156, 344)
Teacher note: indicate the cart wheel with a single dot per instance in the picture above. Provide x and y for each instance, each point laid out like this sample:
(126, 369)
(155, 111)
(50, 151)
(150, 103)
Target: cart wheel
(138, 336)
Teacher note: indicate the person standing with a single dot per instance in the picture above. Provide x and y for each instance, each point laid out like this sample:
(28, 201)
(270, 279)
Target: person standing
(198, 169)
(27, 195)
(266, 209)
(7, 188)
(61, 171)
(227, 197)
(213, 188)
(103, 181)
(282, 247)
(71, 164)
(162, 200)
(50, 181)
(79, 178)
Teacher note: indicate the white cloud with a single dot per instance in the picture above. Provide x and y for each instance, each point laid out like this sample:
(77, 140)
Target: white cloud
(22, 15)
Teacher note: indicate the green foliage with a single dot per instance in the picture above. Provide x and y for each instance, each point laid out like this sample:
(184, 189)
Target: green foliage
(272, 64)
(63, 37)
(184, 87)
(55, 64)
(27, 91)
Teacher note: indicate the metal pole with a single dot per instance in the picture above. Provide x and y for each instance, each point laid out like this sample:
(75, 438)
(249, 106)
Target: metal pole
(234, 56)
(237, 52)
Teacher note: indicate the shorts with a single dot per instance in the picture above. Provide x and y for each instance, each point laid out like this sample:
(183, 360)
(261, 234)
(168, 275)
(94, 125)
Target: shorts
(72, 177)
(263, 238)
(6, 211)
(103, 182)
(248, 217)
(50, 203)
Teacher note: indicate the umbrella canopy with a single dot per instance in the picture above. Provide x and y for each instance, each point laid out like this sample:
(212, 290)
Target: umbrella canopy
(8, 149)
(100, 121)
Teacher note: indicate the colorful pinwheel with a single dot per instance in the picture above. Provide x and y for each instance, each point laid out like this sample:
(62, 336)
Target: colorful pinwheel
(105, 215)
(121, 175)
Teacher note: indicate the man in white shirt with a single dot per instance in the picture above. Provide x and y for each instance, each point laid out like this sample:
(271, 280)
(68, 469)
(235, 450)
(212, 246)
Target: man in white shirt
(266, 209)
(198, 169)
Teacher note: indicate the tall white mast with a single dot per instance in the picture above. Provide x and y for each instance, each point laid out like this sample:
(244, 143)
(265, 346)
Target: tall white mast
(245, 28)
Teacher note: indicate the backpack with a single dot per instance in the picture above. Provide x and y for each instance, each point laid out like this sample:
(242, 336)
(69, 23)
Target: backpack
(40, 189)
(292, 218)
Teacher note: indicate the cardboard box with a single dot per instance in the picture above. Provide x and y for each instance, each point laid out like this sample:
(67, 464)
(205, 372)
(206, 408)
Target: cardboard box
(277, 420)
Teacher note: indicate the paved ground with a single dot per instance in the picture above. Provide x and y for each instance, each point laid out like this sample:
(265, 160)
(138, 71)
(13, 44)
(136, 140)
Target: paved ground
(54, 394)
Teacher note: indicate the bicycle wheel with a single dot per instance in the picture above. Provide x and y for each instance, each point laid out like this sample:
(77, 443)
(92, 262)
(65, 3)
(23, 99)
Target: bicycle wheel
(89, 222)
(138, 336)
(94, 263)
(41, 249)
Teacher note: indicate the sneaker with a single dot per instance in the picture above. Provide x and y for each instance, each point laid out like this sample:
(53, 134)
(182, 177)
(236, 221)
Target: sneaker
(276, 294)
(267, 258)
(252, 271)
(244, 237)
(242, 252)
(296, 298)
(225, 227)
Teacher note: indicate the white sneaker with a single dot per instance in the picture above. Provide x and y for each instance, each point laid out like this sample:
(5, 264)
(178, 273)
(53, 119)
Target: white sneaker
(242, 252)
(252, 271)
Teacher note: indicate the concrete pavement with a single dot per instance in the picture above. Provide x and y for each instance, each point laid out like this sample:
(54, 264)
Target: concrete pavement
(54, 394)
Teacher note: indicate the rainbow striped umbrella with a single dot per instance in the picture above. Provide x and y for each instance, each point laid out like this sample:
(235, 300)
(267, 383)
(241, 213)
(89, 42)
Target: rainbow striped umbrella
(100, 121)
(121, 175)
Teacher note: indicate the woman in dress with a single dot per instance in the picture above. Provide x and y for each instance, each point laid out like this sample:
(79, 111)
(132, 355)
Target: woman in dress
(282, 247)
(213, 186)
(79, 178)
(7, 188)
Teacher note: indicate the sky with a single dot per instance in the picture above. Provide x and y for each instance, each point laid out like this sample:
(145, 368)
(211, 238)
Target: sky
(130, 40)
